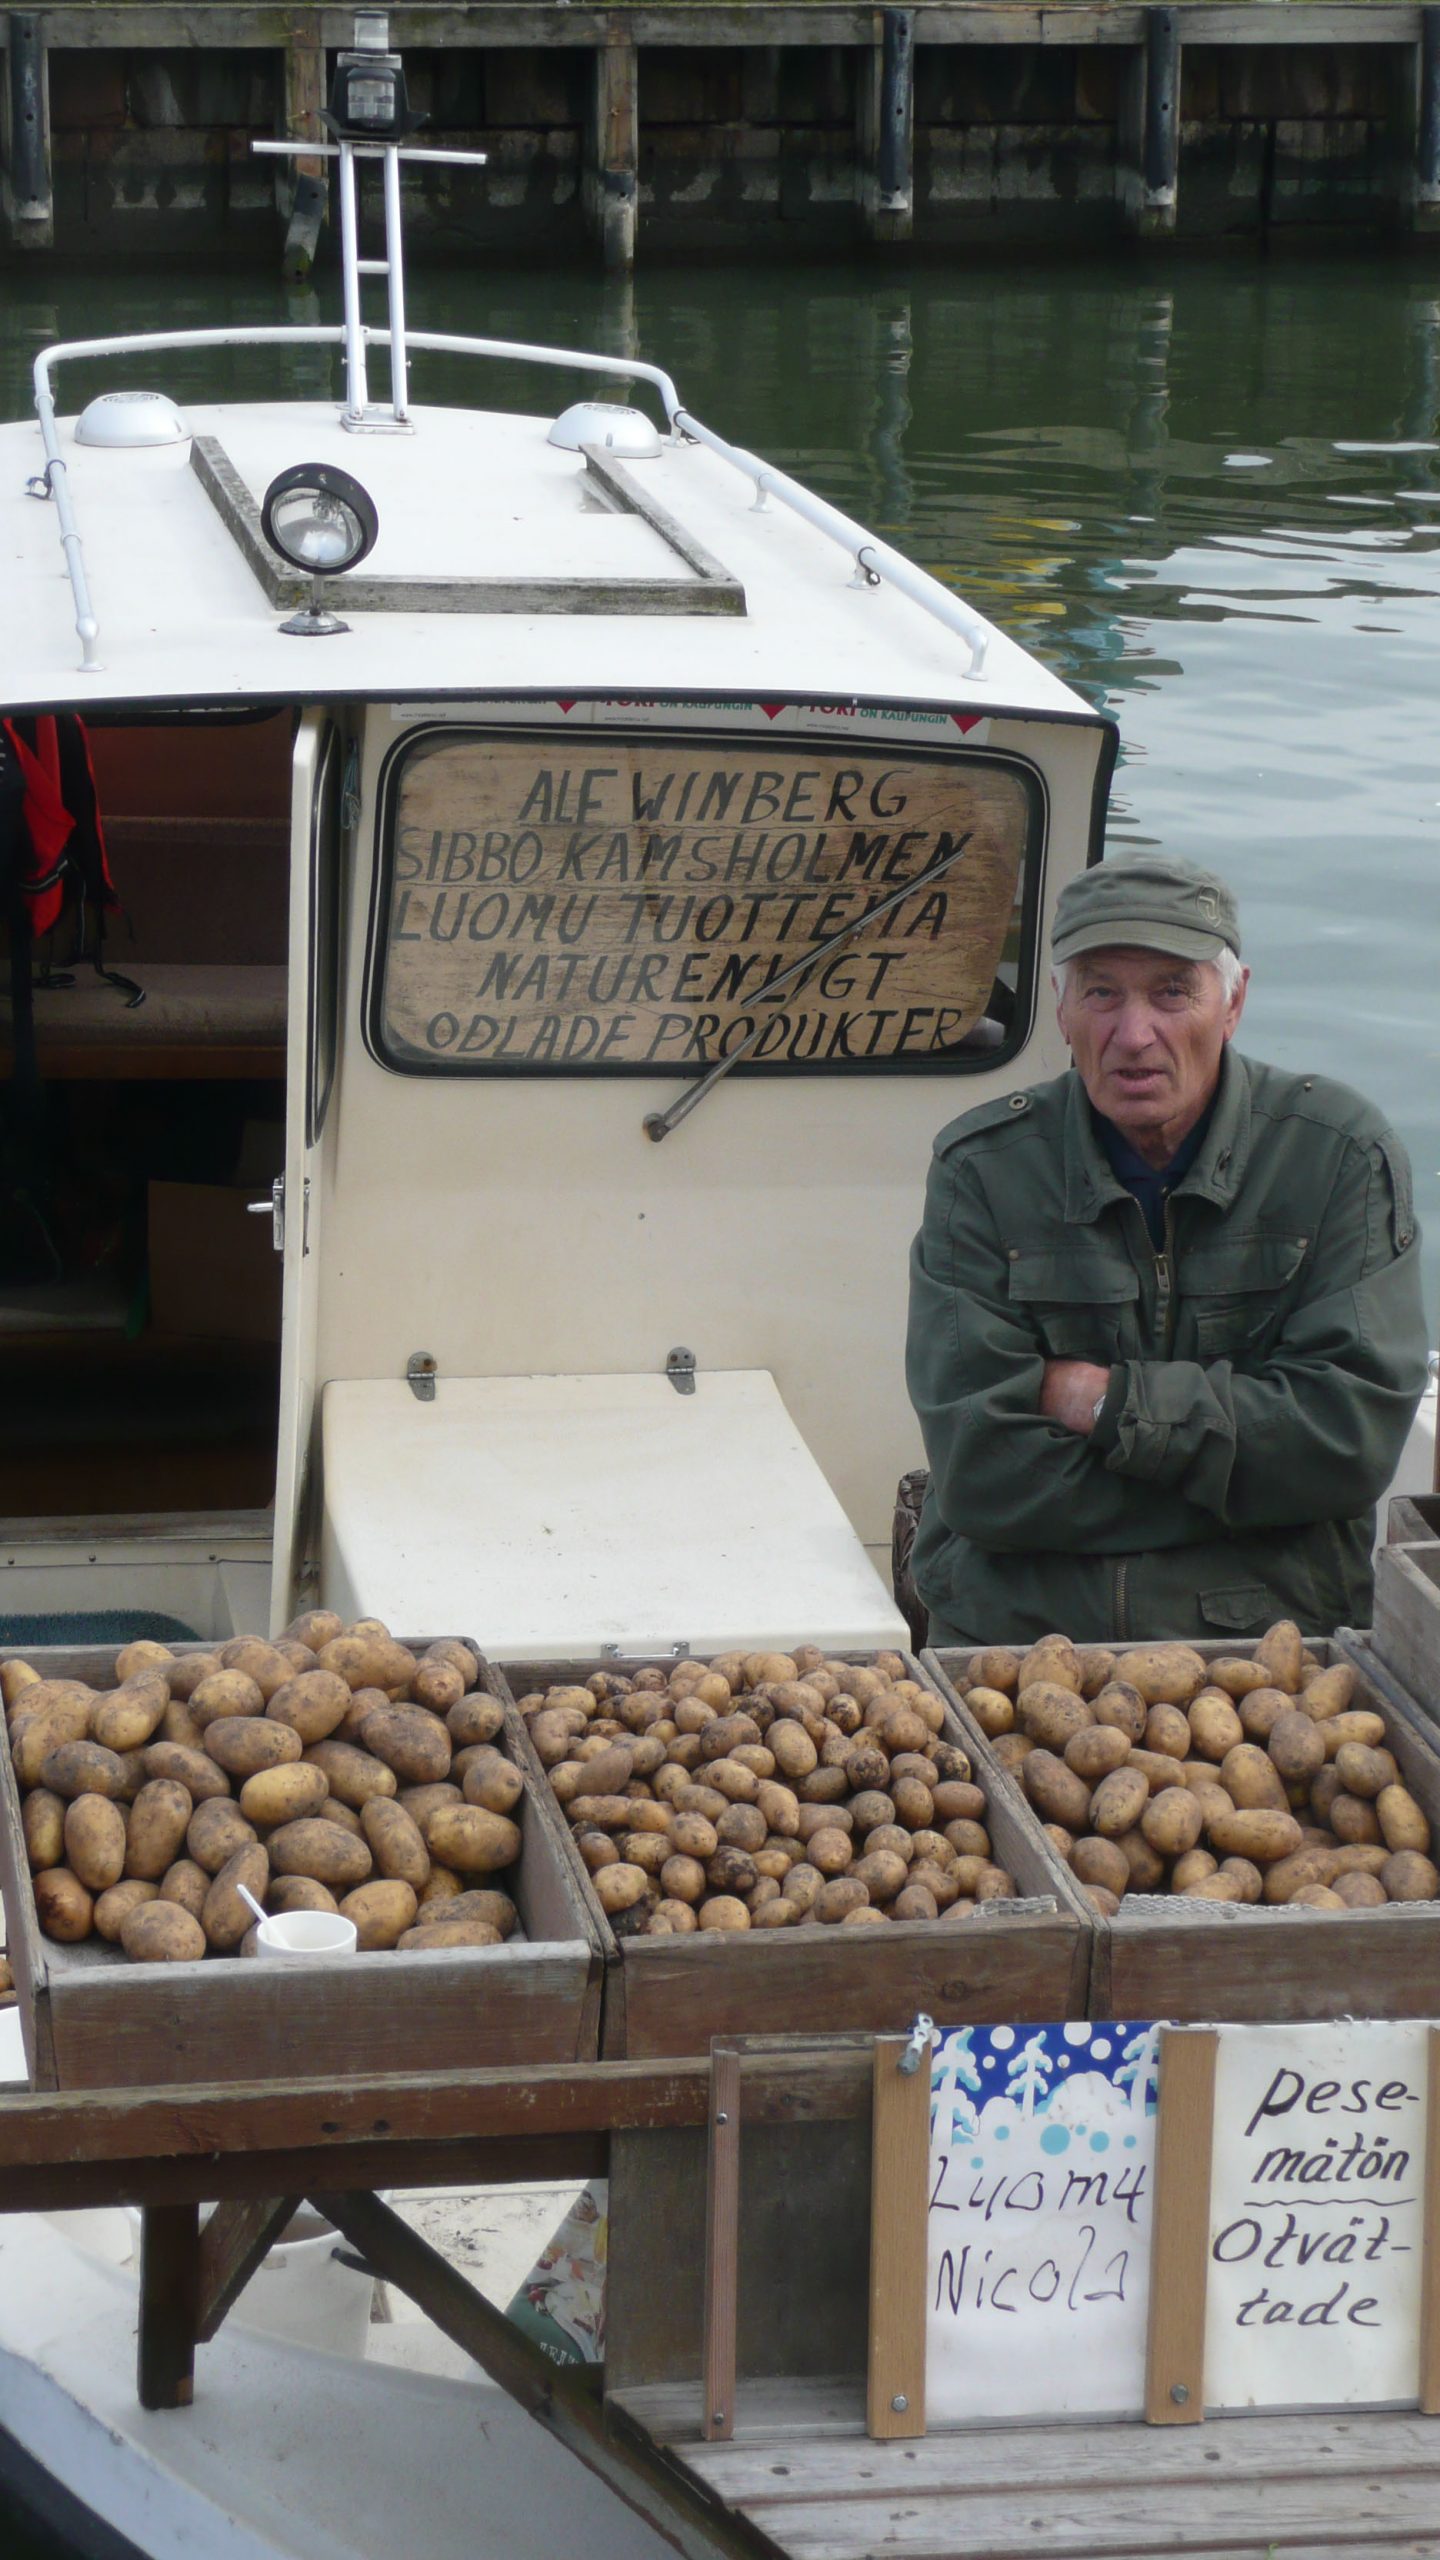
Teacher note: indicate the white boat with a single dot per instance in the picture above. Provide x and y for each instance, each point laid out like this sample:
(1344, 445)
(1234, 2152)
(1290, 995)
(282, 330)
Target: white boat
(632, 862)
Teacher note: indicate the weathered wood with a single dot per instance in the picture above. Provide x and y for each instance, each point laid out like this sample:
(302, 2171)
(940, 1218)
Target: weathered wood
(1430, 2264)
(611, 185)
(169, 2305)
(885, 106)
(93, 2020)
(1406, 1634)
(29, 192)
(233, 2244)
(899, 2204)
(302, 183)
(515, 2160)
(1180, 2230)
(1010, 1962)
(1011, 2524)
(722, 2244)
(557, 2397)
(825, 2084)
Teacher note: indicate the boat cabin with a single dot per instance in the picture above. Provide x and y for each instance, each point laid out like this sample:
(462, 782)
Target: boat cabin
(567, 928)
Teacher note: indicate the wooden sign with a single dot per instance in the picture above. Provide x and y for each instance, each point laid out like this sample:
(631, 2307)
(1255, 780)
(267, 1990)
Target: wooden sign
(1041, 2150)
(1317, 2216)
(552, 904)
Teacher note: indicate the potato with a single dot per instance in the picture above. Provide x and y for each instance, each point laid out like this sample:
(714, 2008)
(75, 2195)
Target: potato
(1297, 1747)
(114, 1905)
(619, 1888)
(1409, 1877)
(1095, 1752)
(1282, 1652)
(35, 1733)
(1216, 1888)
(215, 1831)
(1157, 1768)
(283, 1794)
(1260, 1710)
(448, 1933)
(1164, 1674)
(83, 1769)
(1361, 1857)
(1316, 1897)
(259, 1662)
(794, 1753)
(1053, 1659)
(1403, 1825)
(839, 1896)
(155, 1828)
(316, 1627)
(496, 1909)
(1245, 1873)
(1121, 1706)
(1147, 1867)
(780, 1914)
(1057, 1793)
(492, 1781)
(15, 1677)
(353, 1776)
(1193, 1868)
(396, 1843)
(1353, 1818)
(995, 1667)
(1355, 1725)
(1329, 1692)
(162, 1932)
(1051, 1715)
(474, 1842)
(478, 1718)
(318, 1848)
(438, 1686)
(343, 1814)
(186, 1884)
(95, 1842)
(1251, 1779)
(882, 1874)
(1101, 1900)
(43, 1818)
(226, 1693)
(64, 1906)
(414, 1744)
(311, 1705)
(1097, 1861)
(1360, 1892)
(1364, 1771)
(381, 1912)
(994, 1884)
(1215, 1728)
(1118, 1803)
(1255, 1832)
(195, 1771)
(1012, 1750)
(129, 1715)
(1171, 1821)
(241, 1745)
(227, 1916)
(992, 1710)
(1167, 1731)
(298, 1893)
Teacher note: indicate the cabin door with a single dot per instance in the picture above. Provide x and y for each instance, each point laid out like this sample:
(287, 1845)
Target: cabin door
(316, 803)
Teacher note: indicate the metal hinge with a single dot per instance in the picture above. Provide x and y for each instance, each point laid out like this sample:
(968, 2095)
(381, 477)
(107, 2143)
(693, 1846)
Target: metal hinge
(421, 1371)
(680, 1370)
(274, 1209)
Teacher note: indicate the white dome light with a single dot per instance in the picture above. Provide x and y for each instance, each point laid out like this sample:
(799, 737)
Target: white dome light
(626, 432)
(130, 418)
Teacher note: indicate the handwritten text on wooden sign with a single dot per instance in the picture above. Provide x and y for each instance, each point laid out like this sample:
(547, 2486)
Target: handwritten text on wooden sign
(555, 904)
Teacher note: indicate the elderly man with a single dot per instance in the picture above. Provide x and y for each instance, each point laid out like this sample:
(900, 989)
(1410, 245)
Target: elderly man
(1166, 1334)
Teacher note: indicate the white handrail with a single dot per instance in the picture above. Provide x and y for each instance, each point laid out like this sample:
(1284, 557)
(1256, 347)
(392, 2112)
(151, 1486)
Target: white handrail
(317, 334)
(874, 560)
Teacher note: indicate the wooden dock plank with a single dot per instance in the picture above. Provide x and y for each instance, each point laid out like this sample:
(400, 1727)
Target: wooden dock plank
(1112, 2523)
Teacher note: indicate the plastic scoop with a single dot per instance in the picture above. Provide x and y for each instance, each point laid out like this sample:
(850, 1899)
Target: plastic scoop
(294, 1936)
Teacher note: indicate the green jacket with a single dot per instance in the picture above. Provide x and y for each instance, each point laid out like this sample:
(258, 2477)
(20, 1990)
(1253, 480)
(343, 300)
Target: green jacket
(1264, 1368)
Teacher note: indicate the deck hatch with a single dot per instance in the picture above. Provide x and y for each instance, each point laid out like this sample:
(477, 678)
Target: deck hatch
(701, 585)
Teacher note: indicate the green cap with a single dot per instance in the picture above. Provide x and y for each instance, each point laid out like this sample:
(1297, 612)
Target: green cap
(1146, 902)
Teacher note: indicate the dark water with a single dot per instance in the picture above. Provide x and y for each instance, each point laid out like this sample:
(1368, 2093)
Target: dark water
(1207, 495)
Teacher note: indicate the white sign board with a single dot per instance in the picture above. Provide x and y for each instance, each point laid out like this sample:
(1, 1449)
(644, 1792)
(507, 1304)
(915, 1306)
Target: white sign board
(1041, 2168)
(1316, 2216)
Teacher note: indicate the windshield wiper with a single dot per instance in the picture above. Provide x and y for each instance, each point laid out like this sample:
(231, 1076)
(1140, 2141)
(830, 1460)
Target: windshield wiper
(658, 1124)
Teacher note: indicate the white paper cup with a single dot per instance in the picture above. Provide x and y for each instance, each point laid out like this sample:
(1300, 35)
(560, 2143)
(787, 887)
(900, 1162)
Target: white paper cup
(295, 1936)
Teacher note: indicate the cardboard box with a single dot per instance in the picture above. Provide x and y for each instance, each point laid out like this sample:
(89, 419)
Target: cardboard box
(214, 1271)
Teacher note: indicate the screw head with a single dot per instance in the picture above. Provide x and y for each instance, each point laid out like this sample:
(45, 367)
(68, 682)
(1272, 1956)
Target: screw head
(717, 2417)
(1179, 2393)
(900, 2404)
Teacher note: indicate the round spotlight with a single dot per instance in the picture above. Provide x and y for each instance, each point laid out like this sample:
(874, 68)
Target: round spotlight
(319, 519)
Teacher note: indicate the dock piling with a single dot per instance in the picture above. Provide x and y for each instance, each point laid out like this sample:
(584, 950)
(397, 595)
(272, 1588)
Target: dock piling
(1427, 139)
(1154, 189)
(611, 181)
(29, 195)
(303, 179)
(887, 130)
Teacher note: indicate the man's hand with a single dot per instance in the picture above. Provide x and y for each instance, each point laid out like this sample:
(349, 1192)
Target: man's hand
(1069, 1390)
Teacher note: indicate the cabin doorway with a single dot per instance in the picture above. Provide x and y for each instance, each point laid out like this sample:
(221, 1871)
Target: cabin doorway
(140, 1295)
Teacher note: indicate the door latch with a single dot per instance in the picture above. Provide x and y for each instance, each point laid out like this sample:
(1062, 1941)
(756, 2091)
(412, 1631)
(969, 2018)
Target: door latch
(680, 1370)
(274, 1209)
(421, 1371)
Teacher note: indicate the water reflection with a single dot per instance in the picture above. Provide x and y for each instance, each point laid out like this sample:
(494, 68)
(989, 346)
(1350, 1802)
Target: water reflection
(1211, 501)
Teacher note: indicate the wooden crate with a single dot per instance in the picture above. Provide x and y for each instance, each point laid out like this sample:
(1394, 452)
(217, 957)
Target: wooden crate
(1164, 1957)
(1407, 1605)
(673, 1995)
(92, 2019)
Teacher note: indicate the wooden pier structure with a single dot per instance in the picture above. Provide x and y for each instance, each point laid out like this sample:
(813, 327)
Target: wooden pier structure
(691, 126)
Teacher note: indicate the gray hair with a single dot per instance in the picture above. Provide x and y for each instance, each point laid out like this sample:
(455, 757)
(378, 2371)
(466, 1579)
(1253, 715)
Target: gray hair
(1228, 966)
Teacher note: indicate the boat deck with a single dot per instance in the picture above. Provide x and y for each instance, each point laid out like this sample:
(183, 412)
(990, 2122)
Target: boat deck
(801, 2472)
